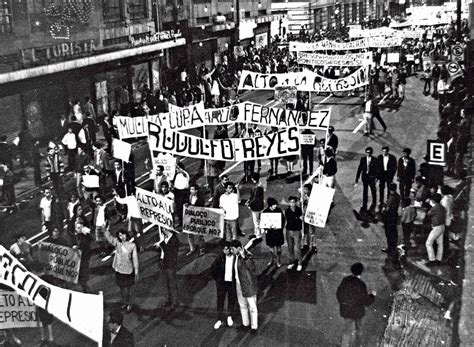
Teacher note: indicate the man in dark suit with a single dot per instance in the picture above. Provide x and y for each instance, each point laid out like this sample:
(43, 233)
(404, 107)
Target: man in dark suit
(367, 170)
(333, 140)
(406, 172)
(116, 334)
(307, 153)
(169, 264)
(386, 169)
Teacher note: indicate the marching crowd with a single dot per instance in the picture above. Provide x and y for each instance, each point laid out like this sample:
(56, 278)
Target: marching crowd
(420, 203)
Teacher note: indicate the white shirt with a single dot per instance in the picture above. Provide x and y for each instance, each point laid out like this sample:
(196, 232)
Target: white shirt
(385, 162)
(184, 75)
(368, 163)
(447, 203)
(100, 221)
(237, 279)
(70, 208)
(132, 206)
(69, 140)
(45, 205)
(230, 204)
(181, 181)
(229, 261)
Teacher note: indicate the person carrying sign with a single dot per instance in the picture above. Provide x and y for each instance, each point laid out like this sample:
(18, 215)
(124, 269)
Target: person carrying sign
(229, 202)
(274, 236)
(195, 199)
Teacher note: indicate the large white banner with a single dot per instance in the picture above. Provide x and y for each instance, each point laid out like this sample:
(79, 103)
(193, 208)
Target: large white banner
(304, 81)
(17, 311)
(318, 205)
(272, 145)
(364, 43)
(317, 59)
(83, 312)
(356, 33)
(155, 208)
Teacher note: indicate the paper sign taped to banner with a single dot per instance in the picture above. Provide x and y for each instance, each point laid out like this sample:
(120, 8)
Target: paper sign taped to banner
(154, 208)
(437, 151)
(308, 139)
(203, 221)
(17, 311)
(269, 220)
(167, 161)
(318, 205)
(90, 181)
(83, 312)
(60, 262)
(121, 150)
(303, 81)
(317, 59)
(286, 95)
(272, 145)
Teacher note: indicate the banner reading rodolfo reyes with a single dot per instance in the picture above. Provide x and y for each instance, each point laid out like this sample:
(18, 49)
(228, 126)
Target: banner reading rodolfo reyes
(155, 208)
(61, 262)
(351, 59)
(318, 205)
(304, 81)
(272, 145)
(83, 312)
(16, 311)
(203, 221)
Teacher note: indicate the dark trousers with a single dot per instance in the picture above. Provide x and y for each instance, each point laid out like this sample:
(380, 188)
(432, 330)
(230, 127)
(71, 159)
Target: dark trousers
(427, 87)
(366, 184)
(384, 181)
(405, 186)
(249, 168)
(71, 158)
(274, 166)
(308, 156)
(407, 230)
(9, 194)
(225, 289)
(57, 182)
(391, 234)
(180, 196)
(377, 116)
(171, 285)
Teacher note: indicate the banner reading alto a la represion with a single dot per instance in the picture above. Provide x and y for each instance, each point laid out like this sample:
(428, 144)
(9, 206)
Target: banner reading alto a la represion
(61, 262)
(17, 311)
(272, 145)
(303, 81)
(203, 221)
(83, 312)
(154, 208)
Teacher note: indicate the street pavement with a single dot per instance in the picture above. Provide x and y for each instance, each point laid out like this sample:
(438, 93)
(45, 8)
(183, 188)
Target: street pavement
(298, 309)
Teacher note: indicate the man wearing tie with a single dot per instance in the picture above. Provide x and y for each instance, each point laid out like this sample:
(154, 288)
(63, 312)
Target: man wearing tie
(387, 167)
(117, 335)
(367, 170)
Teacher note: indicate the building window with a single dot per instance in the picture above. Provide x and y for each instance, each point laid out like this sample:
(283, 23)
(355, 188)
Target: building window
(346, 14)
(6, 26)
(203, 20)
(262, 13)
(137, 8)
(112, 10)
(247, 14)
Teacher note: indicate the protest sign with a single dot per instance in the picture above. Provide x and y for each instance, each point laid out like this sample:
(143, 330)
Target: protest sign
(272, 145)
(83, 312)
(351, 59)
(363, 33)
(239, 51)
(308, 139)
(121, 150)
(129, 127)
(167, 161)
(286, 95)
(269, 220)
(436, 151)
(90, 181)
(203, 221)
(183, 117)
(304, 81)
(318, 205)
(154, 208)
(60, 262)
(393, 58)
(17, 311)
(410, 57)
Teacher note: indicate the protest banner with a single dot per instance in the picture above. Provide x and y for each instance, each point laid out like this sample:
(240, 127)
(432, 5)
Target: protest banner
(304, 81)
(410, 57)
(121, 150)
(60, 262)
(393, 58)
(351, 59)
(155, 208)
(203, 221)
(436, 152)
(183, 117)
(308, 139)
(286, 95)
(318, 205)
(272, 145)
(129, 127)
(17, 311)
(239, 51)
(167, 161)
(83, 312)
(427, 63)
(270, 220)
(457, 53)
(356, 33)
(364, 43)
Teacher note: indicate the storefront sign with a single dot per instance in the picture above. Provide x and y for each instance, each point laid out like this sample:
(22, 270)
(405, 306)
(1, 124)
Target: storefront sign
(155, 38)
(203, 221)
(59, 52)
(61, 262)
(16, 311)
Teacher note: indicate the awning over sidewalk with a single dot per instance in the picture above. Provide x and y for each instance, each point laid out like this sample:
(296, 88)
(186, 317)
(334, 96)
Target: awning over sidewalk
(87, 61)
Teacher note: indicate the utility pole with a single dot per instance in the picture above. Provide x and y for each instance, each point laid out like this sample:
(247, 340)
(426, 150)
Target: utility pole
(458, 20)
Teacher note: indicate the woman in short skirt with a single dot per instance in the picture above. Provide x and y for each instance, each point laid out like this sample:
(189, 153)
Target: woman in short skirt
(125, 264)
(274, 236)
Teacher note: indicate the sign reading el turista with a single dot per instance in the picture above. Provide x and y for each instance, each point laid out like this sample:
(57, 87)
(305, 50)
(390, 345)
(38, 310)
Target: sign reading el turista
(61, 51)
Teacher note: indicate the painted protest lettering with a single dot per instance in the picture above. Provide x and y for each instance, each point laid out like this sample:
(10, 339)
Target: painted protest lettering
(318, 205)
(317, 59)
(16, 311)
(272, 145)
(68, 306)
(129, 127)
(185, 117)
(363, 43)
(60, 262)
(155, 208)
(203, 221)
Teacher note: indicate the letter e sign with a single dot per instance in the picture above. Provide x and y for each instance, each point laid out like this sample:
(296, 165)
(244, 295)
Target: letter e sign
(436, 152)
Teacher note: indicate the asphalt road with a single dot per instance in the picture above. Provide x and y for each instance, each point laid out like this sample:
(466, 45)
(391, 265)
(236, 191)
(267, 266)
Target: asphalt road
(298, 309)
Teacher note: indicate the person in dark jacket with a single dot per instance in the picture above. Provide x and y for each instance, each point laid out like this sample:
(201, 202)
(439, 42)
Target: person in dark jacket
(329, 168)
(307, 153)
(246, 285)
(116, 334)
(222, 270)
(386, 169)
(390, 221)
(333, 140)
(367, 170)
(255, 202)
(406, 172)
(195, 199)
(169, 264)
(294, 226)
(353, 296)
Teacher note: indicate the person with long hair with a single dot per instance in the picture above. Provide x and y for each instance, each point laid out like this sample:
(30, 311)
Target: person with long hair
(125, 264)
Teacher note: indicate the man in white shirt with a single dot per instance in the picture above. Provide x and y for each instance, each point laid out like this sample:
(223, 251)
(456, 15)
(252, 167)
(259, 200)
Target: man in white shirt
(181, 191)
(135, 223)
(46, 204)
(70, 142)
(229, 202)
(159, 178)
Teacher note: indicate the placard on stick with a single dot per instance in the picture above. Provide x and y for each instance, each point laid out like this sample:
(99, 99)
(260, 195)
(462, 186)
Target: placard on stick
(121, 150)
(319, 205)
